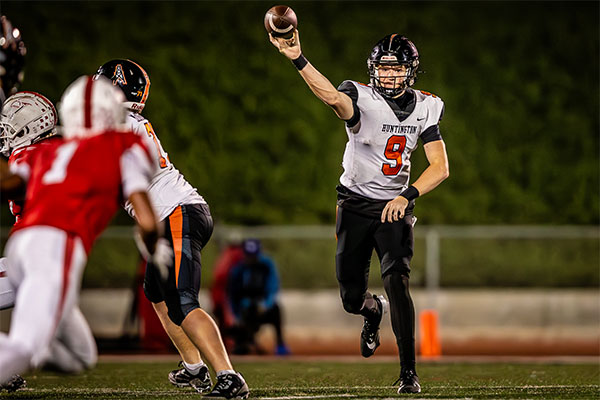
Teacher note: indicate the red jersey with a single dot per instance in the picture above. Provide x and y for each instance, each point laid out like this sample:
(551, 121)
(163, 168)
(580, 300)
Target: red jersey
(77, 185)
(16, 206)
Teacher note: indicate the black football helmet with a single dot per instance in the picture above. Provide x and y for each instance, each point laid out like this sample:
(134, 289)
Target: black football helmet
(12, 58)
(131, 78)
(393, 49)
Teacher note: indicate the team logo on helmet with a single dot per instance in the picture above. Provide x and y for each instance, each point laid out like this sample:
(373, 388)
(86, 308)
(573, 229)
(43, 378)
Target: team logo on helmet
(119, 76)
(16, 104)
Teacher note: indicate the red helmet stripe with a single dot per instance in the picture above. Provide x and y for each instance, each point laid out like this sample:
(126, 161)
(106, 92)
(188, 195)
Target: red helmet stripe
(87, 103)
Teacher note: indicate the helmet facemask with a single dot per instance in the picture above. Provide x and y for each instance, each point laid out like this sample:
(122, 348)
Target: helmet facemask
(394, 84)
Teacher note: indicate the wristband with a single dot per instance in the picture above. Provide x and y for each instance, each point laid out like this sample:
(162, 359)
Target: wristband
(410, 193)
(300, 62)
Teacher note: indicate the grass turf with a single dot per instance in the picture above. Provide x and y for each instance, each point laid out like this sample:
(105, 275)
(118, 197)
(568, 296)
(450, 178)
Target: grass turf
(285, 379)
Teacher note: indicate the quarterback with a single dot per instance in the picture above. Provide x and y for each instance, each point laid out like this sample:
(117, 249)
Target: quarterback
(384, 121)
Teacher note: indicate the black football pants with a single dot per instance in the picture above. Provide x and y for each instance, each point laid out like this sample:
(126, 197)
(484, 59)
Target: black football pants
(357, 236)
(188, 228)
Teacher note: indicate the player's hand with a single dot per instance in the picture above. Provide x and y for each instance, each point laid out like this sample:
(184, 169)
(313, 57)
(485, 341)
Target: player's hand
(288, 47)
(162, 258)
(394, 209)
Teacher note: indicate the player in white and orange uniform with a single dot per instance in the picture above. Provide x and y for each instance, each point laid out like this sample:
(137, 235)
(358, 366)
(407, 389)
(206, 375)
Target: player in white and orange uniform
(188, 227)
(384, 121)
(74, 186)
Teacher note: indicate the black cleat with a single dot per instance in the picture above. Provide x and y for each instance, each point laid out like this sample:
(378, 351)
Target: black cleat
(16, 382)
(182, 378)
(230, 386)
(409, 382)
(369, 337)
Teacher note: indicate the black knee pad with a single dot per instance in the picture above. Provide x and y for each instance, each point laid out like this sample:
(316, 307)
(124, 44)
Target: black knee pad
(178, 310)
(175, 315)
(353, 303)
(153, 295)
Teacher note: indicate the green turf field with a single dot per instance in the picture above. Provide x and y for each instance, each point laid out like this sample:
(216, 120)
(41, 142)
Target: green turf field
(285, 379)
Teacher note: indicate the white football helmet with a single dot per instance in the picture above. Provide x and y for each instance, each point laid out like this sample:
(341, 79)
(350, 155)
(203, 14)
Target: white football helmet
(91, 106)
(27, 118)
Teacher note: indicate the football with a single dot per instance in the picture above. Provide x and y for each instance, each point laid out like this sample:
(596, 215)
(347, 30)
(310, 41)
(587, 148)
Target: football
(280, 21)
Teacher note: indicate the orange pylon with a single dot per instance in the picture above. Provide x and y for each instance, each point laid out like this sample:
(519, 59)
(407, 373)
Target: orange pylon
(429, 334)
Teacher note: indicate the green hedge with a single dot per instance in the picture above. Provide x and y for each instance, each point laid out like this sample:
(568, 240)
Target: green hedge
(520, 82)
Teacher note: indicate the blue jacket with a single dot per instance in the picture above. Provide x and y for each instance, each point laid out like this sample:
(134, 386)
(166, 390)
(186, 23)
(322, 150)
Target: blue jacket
(253, 284)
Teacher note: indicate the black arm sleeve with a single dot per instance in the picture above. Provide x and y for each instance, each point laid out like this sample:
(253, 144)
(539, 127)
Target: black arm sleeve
(431, 134)
(348, 88)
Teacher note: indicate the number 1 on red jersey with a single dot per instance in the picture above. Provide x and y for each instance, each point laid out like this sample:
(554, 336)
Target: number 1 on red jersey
(58, 171)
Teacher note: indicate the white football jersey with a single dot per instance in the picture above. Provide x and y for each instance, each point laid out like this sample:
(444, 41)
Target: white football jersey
(377, 156)
(168, 188)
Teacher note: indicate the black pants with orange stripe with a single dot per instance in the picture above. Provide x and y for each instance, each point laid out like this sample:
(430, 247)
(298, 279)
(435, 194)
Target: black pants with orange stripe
(188, 229)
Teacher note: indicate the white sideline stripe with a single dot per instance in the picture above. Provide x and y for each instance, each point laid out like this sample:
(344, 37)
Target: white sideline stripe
(325, 396)
(176, 392)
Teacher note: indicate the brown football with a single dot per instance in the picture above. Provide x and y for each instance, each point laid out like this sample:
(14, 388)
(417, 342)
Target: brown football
(280, 21)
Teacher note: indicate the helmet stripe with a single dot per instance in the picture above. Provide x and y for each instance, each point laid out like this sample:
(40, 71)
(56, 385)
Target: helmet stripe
(147, 86)
(87, 103)
(391, 40)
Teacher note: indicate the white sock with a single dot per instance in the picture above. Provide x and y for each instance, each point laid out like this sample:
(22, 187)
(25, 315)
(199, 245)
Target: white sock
(193, 368)
(225, 372)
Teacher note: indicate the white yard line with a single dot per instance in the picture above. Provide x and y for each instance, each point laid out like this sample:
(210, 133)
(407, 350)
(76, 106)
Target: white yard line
(376, 359)
(315, 388)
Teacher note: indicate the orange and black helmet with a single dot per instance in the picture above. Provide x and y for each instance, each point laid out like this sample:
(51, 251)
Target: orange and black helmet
(131, 78)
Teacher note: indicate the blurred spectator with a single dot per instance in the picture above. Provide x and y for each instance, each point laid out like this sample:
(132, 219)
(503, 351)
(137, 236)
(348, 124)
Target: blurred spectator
(12, 59)
(252, 290)
(229, 257)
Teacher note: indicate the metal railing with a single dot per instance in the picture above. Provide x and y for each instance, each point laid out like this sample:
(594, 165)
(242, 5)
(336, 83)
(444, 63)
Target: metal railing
(431, 234)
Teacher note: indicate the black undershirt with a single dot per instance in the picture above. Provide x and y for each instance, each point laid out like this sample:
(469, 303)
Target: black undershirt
(403, 106)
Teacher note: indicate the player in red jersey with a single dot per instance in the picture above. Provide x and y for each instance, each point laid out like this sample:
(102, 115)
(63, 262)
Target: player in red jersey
(27, 120)
(73, 188)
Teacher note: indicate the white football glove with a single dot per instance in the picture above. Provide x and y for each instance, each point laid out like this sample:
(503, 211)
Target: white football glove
(162, 257)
